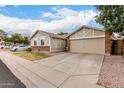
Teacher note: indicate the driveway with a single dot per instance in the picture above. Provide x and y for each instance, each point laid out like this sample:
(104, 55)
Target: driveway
(64, 70)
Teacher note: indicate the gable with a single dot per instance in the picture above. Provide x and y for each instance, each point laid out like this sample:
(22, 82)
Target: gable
(40, 34)
(87, 32)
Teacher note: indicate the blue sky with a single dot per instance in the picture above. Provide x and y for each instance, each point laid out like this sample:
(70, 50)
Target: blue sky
(25, 19)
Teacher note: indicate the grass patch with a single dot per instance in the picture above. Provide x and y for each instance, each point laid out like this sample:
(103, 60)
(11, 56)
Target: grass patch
(30, 55)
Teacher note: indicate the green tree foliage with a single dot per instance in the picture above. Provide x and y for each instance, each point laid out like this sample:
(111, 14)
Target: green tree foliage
(7, 39)
(2, 33)
(17, 38)
(25, 40)
(62, 33)
(111, 17)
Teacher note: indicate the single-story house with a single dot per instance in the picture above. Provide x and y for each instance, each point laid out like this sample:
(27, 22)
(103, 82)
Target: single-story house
(87, 40)
(42, 41)
(84, 40)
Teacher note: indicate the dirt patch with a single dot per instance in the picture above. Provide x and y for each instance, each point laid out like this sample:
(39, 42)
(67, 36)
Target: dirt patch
(112, 72)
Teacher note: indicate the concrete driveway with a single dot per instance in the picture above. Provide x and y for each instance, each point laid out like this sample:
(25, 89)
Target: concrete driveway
(64, 70)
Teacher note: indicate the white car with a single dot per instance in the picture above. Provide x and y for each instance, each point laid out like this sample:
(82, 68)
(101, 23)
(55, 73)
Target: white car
(2, 46)
(20, 48)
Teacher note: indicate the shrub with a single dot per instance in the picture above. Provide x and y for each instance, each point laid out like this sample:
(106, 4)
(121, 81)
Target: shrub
(29, 49)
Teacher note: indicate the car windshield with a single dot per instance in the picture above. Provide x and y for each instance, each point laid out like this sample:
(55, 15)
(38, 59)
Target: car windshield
(22, 45)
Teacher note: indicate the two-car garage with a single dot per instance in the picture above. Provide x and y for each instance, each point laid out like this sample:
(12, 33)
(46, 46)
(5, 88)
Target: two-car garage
(87, 40)
(90, 45)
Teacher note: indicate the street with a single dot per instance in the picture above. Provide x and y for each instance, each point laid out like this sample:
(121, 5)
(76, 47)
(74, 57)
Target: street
(7, 79)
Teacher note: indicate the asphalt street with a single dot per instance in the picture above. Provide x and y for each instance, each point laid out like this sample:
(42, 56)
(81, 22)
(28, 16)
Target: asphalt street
(8, 79)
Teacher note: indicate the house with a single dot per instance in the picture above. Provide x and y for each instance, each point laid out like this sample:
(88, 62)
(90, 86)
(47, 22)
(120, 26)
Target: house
(87, 40)
(84, 40)
(42, 41)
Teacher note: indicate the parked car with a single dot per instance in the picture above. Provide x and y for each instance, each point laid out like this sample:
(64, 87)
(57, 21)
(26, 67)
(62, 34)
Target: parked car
(20, 48)
(2, 46)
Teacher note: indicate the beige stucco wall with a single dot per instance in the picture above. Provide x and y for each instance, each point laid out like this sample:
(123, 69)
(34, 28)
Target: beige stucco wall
(94, 45)
(85, 32)
(38, 37)
(57, 45)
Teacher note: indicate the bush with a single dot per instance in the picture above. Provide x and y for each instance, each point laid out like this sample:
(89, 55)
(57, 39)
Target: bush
(29, 49)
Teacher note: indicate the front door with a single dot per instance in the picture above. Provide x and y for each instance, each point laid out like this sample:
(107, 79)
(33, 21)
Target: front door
(116, 47)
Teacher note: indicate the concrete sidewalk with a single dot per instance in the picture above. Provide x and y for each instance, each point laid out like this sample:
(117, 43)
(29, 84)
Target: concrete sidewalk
(64, 70)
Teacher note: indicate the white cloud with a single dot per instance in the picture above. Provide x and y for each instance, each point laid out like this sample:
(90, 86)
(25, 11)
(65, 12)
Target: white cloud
(63, 20)
(48, 14)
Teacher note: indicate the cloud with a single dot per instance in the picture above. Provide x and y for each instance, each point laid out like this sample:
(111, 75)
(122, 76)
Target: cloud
(48, 14)
(63, 19)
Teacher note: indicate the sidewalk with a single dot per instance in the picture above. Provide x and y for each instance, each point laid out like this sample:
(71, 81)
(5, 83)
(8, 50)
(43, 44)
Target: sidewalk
(19, 68)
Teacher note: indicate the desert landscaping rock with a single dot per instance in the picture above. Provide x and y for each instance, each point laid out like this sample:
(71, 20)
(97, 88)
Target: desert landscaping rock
(112, 72)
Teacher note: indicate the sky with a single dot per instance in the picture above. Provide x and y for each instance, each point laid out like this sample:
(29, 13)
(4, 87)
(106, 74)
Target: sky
(26, 19)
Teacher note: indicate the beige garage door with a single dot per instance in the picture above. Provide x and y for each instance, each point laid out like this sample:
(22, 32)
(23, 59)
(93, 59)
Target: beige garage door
(94, 45)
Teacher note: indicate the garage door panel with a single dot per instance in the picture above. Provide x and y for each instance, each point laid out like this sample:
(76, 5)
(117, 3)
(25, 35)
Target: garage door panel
(96, 46)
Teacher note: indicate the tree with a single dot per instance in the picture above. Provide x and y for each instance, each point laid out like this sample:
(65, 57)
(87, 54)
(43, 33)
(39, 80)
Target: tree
(2, 34)
(7, 39)
(111, 17)
(25, 40)
(62, 33)
(17, 38)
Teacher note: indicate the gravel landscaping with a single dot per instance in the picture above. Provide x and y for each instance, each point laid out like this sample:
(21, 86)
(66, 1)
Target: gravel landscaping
(112, 72)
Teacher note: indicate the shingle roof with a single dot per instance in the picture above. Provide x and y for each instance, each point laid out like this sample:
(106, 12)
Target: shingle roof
(50, 34)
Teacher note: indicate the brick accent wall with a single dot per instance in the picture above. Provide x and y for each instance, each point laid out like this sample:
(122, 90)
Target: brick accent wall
(40, 48)
(108, 43)
(68, 45)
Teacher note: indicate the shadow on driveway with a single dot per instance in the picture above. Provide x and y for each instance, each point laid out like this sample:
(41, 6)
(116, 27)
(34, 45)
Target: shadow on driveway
(7, 78)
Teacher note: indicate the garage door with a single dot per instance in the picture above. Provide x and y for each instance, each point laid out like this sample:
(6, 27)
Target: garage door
(92, 45)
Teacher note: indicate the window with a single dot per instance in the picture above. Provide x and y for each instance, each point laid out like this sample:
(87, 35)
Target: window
(42, 42)
(35, 42)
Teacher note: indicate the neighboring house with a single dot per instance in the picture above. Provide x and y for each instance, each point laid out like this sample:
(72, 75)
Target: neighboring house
(42, 41)
(87, 40)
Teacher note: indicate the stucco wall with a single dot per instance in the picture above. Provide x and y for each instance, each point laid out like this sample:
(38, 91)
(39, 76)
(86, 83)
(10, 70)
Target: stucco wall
(38, 37)
(57, 45)
(85, 32)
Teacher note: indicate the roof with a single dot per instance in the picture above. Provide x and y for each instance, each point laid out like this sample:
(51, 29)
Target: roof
(50, 34)
(116, 36)
(84, 26)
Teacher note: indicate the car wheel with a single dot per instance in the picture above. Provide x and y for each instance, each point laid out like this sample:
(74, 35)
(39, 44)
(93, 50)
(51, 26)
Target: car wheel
(15, 50)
